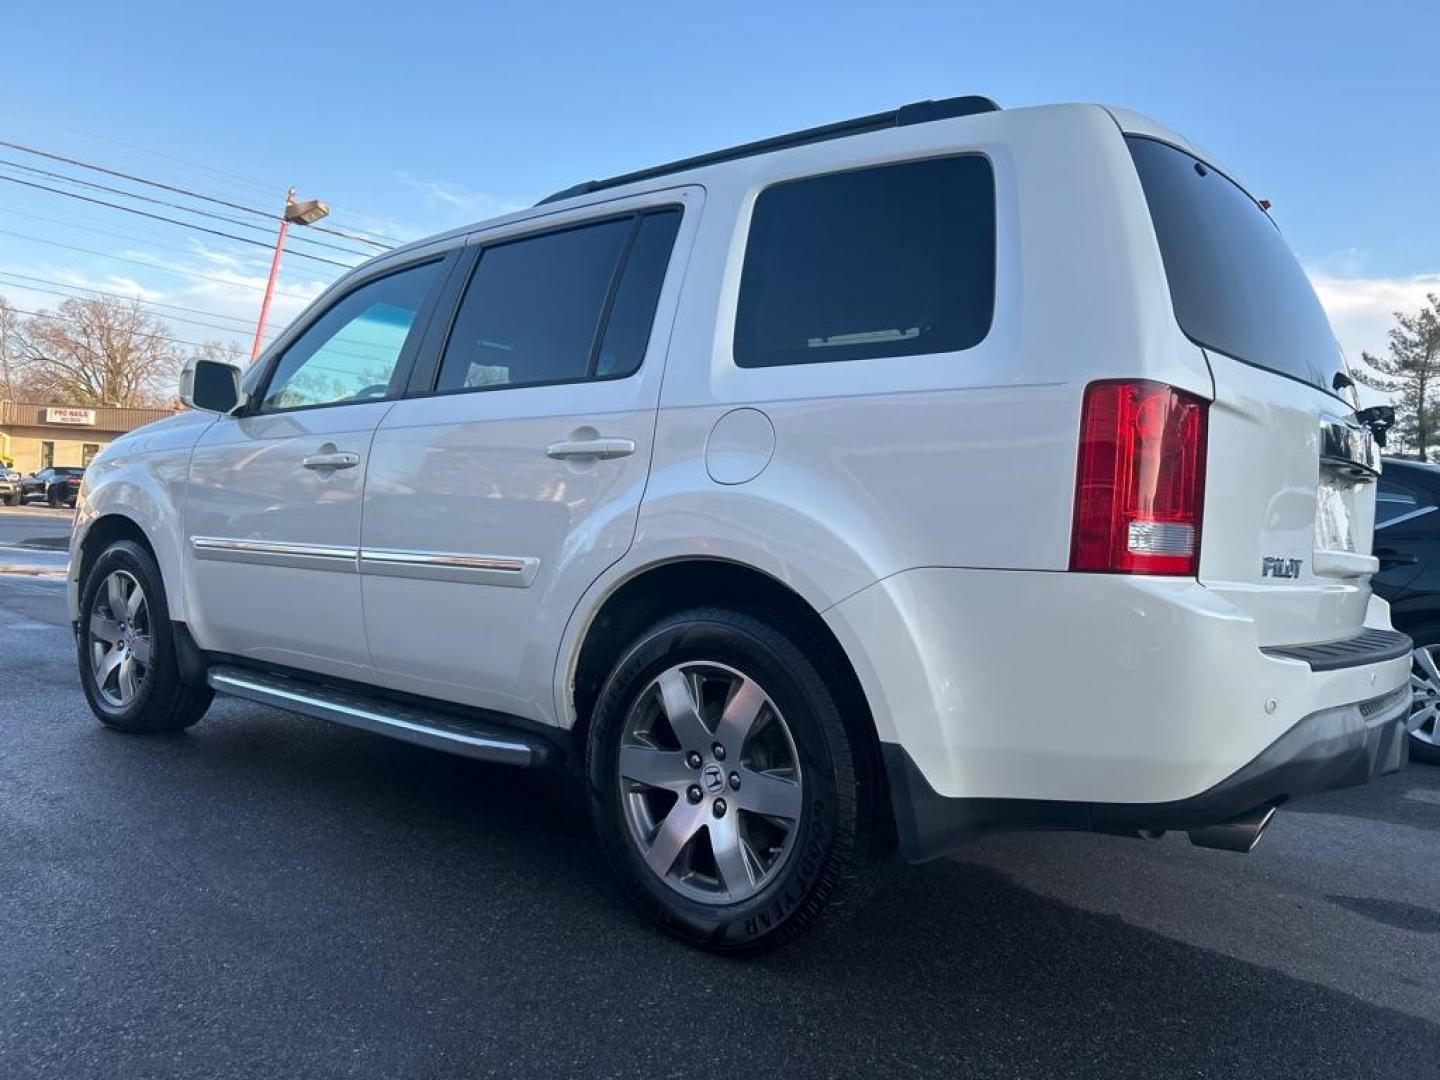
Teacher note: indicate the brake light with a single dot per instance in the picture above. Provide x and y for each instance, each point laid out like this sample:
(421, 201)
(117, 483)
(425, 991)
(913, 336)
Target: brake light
(1140, 480)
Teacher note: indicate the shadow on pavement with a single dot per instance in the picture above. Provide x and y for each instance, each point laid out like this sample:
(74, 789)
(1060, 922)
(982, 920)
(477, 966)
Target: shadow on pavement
(272, 896)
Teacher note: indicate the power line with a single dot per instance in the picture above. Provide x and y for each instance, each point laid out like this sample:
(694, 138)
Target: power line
(170, 220)
(25, 278)
(149, 241)
(248, 181)
(182, 191)
(163, 331)
(153, 266)
(259, 186)
(150, 333)
(173, 205)
(237, 330)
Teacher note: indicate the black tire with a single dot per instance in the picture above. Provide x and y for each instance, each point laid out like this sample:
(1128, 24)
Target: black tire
(838, 837)
(12, 500)
(1420, 750)
(162, 701)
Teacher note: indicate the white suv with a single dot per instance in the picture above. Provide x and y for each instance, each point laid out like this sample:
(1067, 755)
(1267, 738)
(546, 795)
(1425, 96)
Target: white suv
(946, 470)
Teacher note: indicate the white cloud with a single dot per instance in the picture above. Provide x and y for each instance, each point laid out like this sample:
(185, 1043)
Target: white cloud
(1362, 309)
(472, 205)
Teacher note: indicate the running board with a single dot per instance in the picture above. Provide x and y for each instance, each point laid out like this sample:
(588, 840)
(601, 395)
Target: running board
(408, 723)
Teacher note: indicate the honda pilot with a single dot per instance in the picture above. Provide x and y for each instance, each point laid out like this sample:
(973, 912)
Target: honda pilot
(857, 491)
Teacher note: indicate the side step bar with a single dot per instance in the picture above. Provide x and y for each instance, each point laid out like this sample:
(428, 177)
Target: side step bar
(408, 723)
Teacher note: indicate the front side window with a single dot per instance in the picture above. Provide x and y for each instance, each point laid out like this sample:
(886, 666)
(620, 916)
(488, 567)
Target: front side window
(349, 353)
(897, 260)
(560, 307)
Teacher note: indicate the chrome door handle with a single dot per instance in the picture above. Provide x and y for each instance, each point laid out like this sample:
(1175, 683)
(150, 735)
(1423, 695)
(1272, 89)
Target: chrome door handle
(601, 449)
(343, 460)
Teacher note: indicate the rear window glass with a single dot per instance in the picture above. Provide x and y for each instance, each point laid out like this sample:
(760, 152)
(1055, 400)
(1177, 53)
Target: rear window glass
(1235, 285)
(891, 261)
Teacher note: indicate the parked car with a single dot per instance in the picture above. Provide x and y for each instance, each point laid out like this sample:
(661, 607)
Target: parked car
(9, 486)
(58, 485)
(947, 470)
(1407, 542)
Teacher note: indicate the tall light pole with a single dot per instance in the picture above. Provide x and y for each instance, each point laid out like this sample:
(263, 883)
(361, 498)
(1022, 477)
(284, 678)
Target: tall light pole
(299, 213)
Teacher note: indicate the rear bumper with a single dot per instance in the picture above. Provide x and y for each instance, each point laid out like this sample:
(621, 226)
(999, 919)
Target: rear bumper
(1336, 747)
(1039, 688)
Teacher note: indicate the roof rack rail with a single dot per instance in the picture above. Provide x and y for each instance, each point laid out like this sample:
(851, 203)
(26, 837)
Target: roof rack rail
(918, 112)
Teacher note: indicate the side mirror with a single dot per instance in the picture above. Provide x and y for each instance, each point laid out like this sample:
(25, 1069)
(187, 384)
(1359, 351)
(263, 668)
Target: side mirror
(211, 385)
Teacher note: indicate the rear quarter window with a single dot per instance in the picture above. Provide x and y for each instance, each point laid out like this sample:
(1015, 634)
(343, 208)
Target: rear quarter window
(896, 260)
(1234, 283)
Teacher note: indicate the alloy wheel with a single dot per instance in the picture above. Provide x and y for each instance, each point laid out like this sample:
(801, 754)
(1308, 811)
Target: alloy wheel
(710, 782)
(1425, 682)
(119, 633)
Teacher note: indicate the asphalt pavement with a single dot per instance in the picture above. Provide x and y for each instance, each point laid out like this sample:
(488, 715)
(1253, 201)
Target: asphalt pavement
(33, 539)
(270, 896)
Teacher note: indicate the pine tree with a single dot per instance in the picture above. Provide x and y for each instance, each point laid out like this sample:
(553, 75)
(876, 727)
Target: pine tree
(1411, 371)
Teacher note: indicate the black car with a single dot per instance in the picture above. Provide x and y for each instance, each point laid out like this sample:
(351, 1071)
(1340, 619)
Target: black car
(57, 485)
(1407, 543)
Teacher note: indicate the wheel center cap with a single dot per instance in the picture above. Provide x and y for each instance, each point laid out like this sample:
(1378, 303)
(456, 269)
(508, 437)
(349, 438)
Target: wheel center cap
(713, 777)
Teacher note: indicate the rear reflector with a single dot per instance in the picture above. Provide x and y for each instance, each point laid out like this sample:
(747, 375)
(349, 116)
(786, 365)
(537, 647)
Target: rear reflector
(1140, 480)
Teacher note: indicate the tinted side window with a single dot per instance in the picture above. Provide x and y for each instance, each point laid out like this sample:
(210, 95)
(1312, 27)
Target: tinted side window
(350, 352)
(532, 309)
(897, 260)
(627, 330)
(1234, 283)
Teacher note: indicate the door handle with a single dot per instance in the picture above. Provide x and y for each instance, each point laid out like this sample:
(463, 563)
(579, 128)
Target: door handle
(600, 449)
(342, 460)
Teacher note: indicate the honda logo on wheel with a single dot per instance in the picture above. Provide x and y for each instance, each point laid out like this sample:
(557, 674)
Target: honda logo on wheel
(714, 778)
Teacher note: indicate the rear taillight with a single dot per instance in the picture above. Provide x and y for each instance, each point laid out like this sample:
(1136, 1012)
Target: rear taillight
(1140, 481)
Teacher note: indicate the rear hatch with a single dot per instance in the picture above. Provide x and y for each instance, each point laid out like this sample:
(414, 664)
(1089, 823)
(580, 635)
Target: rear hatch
(1290, 474)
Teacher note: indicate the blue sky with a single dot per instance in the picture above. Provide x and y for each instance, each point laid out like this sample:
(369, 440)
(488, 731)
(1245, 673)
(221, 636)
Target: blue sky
(415, 117)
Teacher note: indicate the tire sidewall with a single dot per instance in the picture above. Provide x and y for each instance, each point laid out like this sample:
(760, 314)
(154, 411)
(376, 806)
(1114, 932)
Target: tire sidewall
(801, 696)
(131, 557)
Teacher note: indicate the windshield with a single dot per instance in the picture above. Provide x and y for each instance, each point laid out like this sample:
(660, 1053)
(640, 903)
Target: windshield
(1235, 285)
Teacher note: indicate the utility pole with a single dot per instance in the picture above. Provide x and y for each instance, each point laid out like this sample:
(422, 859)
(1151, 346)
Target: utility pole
(300, 213)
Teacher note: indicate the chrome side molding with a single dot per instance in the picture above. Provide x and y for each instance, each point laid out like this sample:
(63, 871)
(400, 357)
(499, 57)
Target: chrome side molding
(514, 571)
(506, 570)
(408, 723)
(264, 553)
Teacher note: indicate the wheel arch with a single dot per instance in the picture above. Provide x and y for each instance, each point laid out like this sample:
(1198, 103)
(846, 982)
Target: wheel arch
(650, 592)
(102, 529)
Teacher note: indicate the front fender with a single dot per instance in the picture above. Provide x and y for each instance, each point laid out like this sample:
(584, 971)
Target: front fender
(142, 478)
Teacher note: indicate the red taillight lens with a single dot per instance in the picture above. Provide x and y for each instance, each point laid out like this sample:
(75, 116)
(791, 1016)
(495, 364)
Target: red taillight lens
(1141, 480)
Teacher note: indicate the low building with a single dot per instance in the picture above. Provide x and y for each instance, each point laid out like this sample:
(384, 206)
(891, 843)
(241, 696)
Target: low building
(34, 436)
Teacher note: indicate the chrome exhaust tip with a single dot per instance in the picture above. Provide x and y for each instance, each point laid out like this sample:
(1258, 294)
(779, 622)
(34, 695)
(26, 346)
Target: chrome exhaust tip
(1240, 834)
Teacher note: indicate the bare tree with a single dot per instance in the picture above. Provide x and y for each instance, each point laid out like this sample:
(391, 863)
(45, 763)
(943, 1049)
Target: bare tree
(9, 351)
(95, 351)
